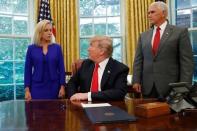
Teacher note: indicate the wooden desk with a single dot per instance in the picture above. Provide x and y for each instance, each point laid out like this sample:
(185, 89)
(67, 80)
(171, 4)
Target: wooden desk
(62, 115)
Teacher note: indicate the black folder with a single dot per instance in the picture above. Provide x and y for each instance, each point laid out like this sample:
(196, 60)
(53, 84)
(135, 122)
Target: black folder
(108, 114)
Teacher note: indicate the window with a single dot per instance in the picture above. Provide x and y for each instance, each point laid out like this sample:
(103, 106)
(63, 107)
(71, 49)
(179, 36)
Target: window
(186, 16)
(100, 17)
(14, 39)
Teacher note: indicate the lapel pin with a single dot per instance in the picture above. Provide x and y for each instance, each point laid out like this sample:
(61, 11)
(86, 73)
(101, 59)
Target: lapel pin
(108, 72)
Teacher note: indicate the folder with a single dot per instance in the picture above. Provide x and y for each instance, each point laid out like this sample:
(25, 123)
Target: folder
(108, 114)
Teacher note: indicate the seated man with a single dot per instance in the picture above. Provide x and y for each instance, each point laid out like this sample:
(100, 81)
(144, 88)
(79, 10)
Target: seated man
(100, 77)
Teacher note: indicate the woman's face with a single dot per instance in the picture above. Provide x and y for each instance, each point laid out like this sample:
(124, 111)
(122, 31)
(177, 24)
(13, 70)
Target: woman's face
(47, 33)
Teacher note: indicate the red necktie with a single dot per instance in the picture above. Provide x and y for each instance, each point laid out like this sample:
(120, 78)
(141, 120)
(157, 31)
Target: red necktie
(94, 87)
(156, 41)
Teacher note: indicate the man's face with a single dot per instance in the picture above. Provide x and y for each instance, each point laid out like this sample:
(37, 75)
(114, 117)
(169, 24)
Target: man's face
(156, 15)
(94, 51)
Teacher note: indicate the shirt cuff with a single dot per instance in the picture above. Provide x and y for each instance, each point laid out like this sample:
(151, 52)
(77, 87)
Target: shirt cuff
(89, 96)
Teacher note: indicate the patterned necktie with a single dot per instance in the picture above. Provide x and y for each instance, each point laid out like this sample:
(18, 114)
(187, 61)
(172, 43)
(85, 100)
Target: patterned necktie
(94, 86)
(156, 41)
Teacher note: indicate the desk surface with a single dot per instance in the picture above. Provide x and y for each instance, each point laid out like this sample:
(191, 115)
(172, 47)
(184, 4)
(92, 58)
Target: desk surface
(62, 115)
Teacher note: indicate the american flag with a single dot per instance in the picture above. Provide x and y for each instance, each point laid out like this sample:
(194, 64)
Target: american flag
(45, 13)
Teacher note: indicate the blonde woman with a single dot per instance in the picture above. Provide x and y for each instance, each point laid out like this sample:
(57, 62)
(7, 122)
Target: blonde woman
(44, 75)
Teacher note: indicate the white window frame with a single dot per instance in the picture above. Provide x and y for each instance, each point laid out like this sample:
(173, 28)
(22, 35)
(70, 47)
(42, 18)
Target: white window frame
(121, 36)
(172, 17)
(30, 27)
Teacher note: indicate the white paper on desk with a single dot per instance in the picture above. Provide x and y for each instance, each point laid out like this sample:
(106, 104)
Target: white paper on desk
(95, 105)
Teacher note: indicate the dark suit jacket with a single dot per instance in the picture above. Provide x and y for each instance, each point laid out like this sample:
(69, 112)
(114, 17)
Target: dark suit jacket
(113, 82)
(34, 64)
(172, 63)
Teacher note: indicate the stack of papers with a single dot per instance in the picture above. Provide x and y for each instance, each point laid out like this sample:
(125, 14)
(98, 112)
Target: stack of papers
(95, 105)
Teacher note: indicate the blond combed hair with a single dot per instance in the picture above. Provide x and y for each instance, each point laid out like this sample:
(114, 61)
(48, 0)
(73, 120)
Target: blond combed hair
(39, 29)
(104, 42)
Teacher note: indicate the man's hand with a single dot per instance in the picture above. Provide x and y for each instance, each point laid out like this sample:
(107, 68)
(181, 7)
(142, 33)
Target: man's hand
(137, 87)
(79, 97)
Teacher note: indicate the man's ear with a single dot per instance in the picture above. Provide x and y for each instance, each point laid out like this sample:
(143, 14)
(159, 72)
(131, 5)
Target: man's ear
(102, 52)
(165, 14)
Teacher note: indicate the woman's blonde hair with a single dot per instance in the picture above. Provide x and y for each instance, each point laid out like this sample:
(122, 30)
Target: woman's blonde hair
(39, 29)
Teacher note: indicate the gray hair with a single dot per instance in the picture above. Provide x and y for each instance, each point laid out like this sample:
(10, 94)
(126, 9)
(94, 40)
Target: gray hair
(162, 6)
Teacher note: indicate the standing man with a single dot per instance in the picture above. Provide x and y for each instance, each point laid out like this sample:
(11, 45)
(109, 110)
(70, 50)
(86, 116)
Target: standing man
(164, 55)
(100, 77)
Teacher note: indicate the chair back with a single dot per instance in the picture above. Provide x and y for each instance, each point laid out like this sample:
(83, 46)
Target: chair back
(76, 65)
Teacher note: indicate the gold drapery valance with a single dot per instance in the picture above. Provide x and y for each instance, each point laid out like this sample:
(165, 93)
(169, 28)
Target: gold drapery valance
(65, 17)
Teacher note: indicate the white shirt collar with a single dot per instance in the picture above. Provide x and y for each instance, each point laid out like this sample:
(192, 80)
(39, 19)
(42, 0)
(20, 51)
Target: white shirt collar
(162, 26)
(103, 64)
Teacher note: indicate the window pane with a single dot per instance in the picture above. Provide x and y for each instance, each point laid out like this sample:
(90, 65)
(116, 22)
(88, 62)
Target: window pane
(20, 92)
(6, 6)
(86, 7)
(84, 44)
(112, 2)
(194, 41)
(183, 4)
(86, 25)
(113, 7)
(20, 25)
(5, 25)
(20, 6)
(100, 8)
(6, 73)
(100, 26)
(194, 2)
(188, 18)
(113, 25)
(195, 68)
(183, 18)
(19, 70)
(194, 21)
(6, 92)
(99, 17)
(117, 49)
(14, 21)
(6, 51)
(20, 48)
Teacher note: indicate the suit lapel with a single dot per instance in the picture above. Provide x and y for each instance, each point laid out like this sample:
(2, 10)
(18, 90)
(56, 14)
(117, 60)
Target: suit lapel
(149, 40)
(106, 73)
(164, 37)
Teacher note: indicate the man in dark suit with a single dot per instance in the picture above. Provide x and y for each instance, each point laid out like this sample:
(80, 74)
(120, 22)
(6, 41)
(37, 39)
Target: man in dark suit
(111, 82)
(164, 55)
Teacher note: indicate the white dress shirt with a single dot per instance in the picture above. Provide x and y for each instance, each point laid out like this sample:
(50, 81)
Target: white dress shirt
(101, 69)
(162, 28)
